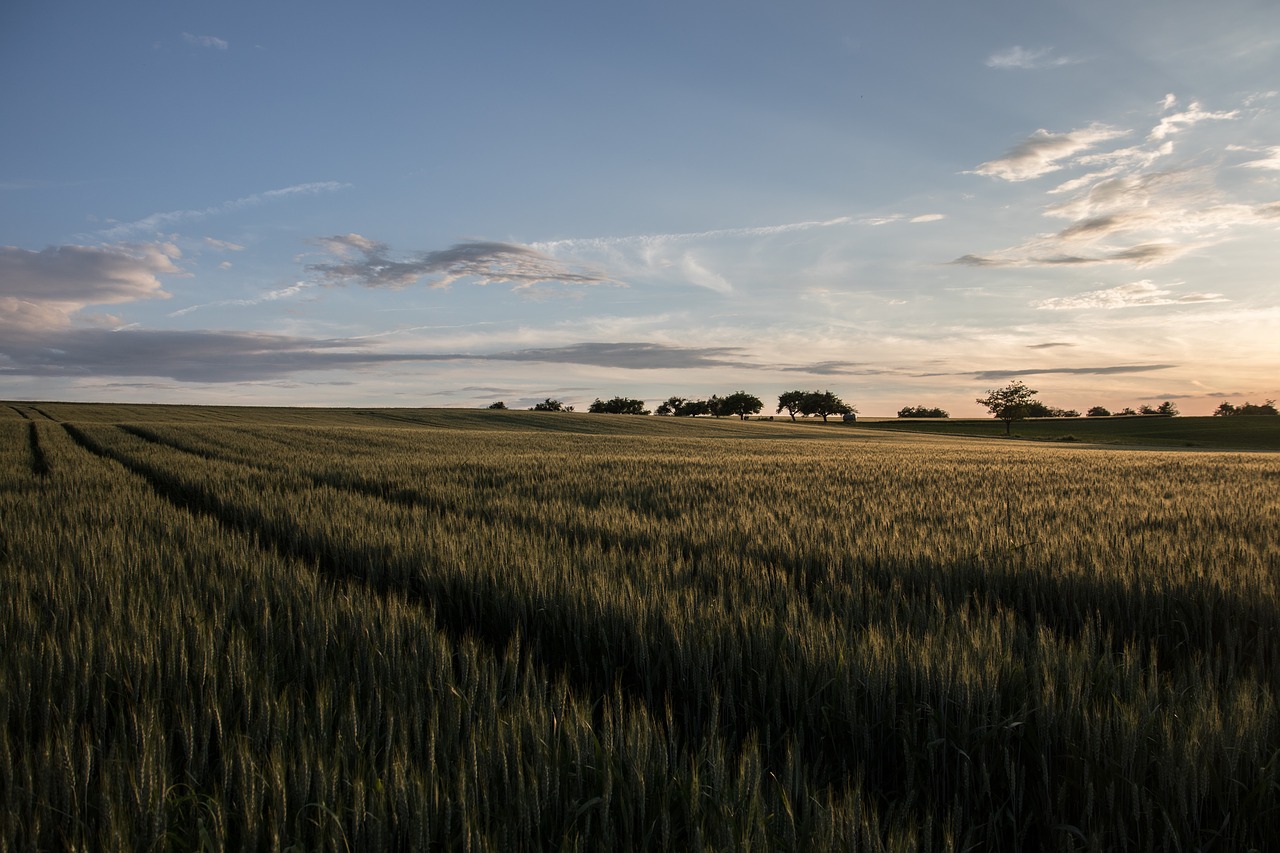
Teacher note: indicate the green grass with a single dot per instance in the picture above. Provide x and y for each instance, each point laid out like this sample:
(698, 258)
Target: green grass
(1232, 433)
(414, 629)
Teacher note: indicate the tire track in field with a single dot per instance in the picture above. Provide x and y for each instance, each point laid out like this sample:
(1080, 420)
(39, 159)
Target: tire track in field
(21, 413)
(39, 463)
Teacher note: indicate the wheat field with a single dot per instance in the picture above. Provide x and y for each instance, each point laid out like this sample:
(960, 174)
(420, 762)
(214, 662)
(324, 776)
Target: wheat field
(406, 629)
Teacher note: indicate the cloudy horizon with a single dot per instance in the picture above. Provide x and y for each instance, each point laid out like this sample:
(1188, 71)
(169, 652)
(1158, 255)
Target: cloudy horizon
(907, 210)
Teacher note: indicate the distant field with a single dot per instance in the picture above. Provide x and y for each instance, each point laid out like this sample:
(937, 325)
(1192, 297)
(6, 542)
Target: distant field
(1231, 433)
(249, 628)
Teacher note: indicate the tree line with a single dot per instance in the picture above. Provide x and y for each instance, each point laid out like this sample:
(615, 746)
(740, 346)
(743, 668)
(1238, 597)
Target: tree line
(1013, 402)
(740, 403)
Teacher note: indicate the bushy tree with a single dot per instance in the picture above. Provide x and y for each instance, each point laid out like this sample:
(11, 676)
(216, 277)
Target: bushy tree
(549, 405)
(498, 405)
(1010, 403)
(1098, 412)
(790, 400)
(824, 403)
(1165, 408)
(670, 406)
(618, 406)
(741, 403)
(922, 412)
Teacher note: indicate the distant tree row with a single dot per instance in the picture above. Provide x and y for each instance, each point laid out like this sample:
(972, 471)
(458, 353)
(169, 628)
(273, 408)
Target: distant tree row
(739, 403)
(617, 406)
(922, 412)
(807, 403)
(1016, 401)
(1228, 410)
(547, 405)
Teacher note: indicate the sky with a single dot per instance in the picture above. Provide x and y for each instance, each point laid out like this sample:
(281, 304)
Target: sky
(449, 204)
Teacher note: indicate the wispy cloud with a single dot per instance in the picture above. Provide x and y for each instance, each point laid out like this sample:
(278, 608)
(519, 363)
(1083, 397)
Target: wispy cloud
(1133, 206)
(710, 259)
(156, 222)
(1108, 370)
(1191, 116)
(1138, 294)
(1271, 162)
(368, 263)
(269, 296)
(1023, 58)
(1044, 152)
(205, 41)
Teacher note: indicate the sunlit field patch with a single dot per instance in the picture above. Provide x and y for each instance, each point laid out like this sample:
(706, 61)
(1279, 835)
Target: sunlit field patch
(243, 628)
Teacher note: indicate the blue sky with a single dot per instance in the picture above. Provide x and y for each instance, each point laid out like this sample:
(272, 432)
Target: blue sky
(449, 204)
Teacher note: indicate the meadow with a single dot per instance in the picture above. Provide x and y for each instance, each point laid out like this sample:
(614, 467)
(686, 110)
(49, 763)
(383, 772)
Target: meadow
(236, 628)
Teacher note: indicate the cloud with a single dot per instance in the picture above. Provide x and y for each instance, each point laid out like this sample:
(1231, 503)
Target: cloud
(1021, 57)
(1043, 152)
(1072, 371)
(698, 274)
(158, 221)
(1191, 116)
(842, 368)
(205, 41)
(1271, 162)
(224, 245)
(366, 262)
(928, 217)
(1125, 209)
(1138, 294)
(630, 355)
(1050, 345)
(42, 289)
(1140, 255)
(226, 356)
(269, 296)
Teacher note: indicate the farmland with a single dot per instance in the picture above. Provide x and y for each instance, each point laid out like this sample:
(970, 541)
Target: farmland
(405, 629)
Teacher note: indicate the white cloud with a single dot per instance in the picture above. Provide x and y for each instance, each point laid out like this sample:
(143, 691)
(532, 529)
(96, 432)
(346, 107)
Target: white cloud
(205, 41)
(1271, 162)
(224, 245)
(1188, 118)
(1044, 152)
(269, 296)
(698, 274)
(1020, 57)
(929, 217)
(1138, 294)
(1129, 211)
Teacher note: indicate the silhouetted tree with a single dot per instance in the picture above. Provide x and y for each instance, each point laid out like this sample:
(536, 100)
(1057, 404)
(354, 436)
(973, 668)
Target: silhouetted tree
(741, 403)
(824, 403)
(498, 405)
(1010, 403)
(1098, 412)
(790, 400)
(548, 405)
